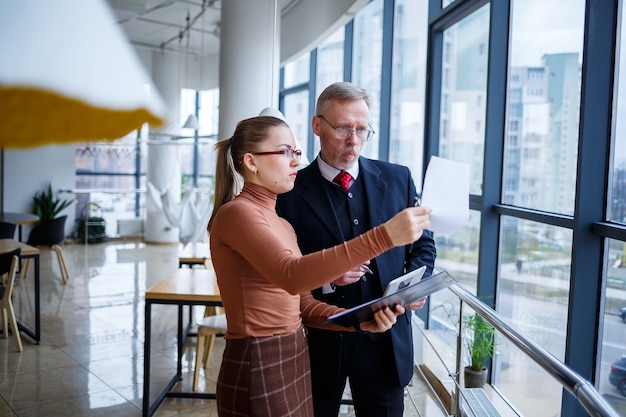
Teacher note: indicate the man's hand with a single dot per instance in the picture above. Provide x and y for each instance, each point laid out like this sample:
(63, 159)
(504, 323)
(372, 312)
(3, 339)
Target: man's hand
(350, 277)
(383, 320)
(416, 305)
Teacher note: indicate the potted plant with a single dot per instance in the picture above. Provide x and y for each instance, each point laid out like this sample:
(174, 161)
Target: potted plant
(479, 341)
(91, 226)
(46, 206)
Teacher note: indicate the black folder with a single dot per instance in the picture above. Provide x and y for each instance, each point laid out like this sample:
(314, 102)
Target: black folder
(403, 296)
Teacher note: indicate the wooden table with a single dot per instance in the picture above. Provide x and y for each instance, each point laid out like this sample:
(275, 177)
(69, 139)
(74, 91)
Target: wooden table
(197, 253)
(187, 286)
(8, 245)
(19, 219)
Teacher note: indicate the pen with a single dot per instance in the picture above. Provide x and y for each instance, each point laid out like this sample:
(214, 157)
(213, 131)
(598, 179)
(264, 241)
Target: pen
(416, 203)
(367, 269)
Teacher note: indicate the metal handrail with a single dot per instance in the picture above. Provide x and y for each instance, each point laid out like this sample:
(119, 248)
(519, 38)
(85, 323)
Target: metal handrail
(582, 389)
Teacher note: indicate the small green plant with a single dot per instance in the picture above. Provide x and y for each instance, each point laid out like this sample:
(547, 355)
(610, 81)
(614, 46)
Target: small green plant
(91, 226)
(46, 206)
(479, 340)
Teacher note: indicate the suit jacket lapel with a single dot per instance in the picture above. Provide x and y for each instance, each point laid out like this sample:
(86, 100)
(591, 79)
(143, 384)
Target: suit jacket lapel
(376, 190)
(377, 194)
(316, 197)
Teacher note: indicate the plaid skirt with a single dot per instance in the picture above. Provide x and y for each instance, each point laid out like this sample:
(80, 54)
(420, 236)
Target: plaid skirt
(268, 376)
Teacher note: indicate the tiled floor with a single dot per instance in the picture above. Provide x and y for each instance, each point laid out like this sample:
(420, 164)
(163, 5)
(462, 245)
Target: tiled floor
(90, 360)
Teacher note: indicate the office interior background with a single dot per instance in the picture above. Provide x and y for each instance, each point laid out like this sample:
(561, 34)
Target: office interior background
(526, 92)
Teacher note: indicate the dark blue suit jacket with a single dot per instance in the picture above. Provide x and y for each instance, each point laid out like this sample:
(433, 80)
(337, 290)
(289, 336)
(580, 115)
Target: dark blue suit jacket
(390, 188)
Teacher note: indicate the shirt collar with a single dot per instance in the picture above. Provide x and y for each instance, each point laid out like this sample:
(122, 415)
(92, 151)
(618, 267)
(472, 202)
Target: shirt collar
(330, 172)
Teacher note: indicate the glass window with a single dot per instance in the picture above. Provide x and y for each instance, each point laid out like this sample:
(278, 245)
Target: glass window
(533, 295)
(297, 72)
(611, 379)
(406, 141)
(118, 157)
(196, 153)
(458, 255)
(110, 205)
(187, 108)
(617, 191)
(543, 102)
(330, 55)
(297, 114)
(367, 64)
(330, 61)
(464, 84)
(209, 113)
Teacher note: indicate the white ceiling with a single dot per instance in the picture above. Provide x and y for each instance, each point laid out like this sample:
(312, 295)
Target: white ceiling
(175, 26)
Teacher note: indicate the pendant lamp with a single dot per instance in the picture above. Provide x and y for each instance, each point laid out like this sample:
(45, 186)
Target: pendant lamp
(68, 74)
(192, 122)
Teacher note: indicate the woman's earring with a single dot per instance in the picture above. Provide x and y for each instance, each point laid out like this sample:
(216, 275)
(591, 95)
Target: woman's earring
(255, 171)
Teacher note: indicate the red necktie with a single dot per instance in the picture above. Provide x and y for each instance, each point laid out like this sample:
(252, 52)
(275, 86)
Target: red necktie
(343, 179)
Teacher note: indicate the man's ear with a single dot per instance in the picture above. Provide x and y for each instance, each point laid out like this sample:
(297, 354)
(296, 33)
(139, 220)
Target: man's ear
(315, 125)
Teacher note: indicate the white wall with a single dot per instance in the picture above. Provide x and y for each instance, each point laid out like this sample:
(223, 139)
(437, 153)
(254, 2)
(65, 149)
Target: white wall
(29, 171)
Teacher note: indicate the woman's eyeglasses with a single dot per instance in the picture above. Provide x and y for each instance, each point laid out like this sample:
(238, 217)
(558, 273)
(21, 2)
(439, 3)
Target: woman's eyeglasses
(343, 132)
(287, 153)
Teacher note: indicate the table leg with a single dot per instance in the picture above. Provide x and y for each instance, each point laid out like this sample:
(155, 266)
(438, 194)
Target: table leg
(37, 301)
(181, 341)
(148, 409)
(146, 359)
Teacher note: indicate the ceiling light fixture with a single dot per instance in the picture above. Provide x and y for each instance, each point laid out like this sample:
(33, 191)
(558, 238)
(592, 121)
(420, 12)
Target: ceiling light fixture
(192, 122)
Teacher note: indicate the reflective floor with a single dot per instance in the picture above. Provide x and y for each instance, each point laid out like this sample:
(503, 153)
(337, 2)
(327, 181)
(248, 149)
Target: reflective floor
(90, 360)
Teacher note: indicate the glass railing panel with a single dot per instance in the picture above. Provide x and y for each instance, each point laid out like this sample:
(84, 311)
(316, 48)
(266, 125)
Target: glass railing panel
(611, 368)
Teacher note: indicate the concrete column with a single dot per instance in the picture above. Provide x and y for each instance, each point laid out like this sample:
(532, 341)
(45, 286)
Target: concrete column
(249, 60)
(163, 159)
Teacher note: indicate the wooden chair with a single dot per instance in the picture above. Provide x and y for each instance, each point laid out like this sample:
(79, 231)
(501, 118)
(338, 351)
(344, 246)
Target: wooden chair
(8, 267)
(208, 328)
(48, 236)
(7, 230)
(213, 323)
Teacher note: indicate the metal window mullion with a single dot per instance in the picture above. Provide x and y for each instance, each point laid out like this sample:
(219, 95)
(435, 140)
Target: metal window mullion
(592, 182)
(495, 116)
(386, 80)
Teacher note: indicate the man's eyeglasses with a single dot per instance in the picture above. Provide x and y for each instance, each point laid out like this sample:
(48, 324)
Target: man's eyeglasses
(287, 153)
(343, 132)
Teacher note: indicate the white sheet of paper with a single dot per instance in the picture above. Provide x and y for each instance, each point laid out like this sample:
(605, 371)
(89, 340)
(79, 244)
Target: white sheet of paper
(446, 192)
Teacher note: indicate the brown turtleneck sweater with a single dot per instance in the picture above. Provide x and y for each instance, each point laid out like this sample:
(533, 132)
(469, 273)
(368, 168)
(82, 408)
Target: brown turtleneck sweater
(264, 280)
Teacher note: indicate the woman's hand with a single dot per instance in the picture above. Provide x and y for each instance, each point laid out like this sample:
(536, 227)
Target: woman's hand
(383, 320)
(407, 226)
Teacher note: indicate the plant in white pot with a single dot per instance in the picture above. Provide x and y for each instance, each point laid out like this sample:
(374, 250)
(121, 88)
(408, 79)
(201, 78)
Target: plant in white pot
(479, 341)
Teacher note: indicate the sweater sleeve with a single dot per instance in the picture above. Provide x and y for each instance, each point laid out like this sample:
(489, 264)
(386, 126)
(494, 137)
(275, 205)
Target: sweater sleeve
(315, 312)
(269, 244)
